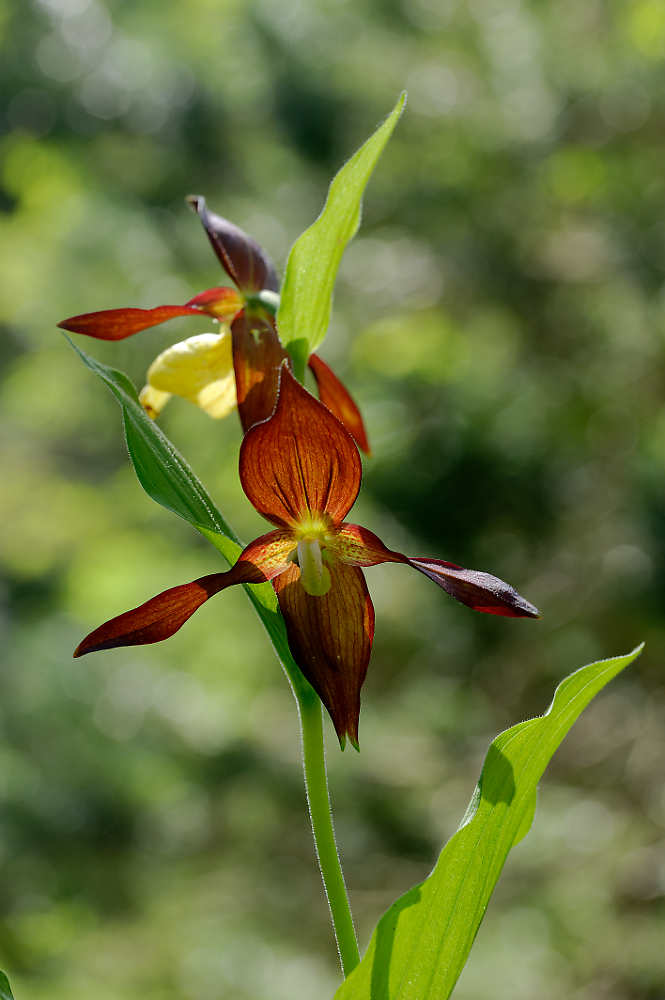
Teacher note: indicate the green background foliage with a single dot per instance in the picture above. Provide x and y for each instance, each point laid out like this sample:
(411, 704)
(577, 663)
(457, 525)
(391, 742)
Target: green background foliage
(500, 317)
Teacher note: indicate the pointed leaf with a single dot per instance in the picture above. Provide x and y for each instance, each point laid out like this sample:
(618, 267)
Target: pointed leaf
(5, 990)
(306, 296)
(161, 470)
(420, 945)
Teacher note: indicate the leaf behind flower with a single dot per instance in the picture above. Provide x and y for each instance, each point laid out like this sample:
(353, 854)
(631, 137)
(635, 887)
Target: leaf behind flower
(311, 270)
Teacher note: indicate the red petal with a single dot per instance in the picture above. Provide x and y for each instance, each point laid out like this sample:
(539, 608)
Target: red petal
(222, 303)
(300, 463)
(162, 616)
(480, 591)
(269, 554)
(361, 547)
(241, 257)
(338, 399)
(257, 357)
(331, 640)
(116, 324)
(155, 620)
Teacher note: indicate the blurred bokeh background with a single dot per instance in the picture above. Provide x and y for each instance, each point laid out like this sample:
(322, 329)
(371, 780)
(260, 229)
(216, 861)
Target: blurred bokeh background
(501, 320)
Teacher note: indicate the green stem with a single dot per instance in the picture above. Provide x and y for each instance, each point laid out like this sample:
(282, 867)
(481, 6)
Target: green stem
(318, 800)
(264, 600)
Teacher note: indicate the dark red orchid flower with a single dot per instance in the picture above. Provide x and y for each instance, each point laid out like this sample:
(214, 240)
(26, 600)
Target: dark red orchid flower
(301, 470)
(201, 368)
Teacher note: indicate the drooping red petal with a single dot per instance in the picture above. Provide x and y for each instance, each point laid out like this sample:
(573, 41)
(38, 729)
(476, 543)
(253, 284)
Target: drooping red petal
(337, 398)
(157, 619)
(162, 616)
(241, 257)
(480, 591)
(300, 463)
(222, 303)
(116, 324)
(257, 358)
(330, 638)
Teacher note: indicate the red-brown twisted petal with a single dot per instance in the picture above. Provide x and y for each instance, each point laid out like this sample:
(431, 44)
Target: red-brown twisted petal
(241, 257)
(257, 357)
(330, 638)
(301, 462)
(162, 616)
(116, 324)
(480, 591)
(339, 400)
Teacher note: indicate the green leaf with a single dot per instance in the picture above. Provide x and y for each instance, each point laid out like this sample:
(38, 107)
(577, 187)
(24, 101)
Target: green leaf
(168, 479)
(421, 943)
(161, 470)
(306, 296)
(5, 989)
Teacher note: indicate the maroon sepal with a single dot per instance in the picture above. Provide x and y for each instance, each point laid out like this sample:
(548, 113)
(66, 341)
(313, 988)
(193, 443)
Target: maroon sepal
(162, 616)
(301, 462)
(257, 358)
(157, 619)
(339, 400)
(116, 324)
(241, 257)
(330, 638)
(480, 591)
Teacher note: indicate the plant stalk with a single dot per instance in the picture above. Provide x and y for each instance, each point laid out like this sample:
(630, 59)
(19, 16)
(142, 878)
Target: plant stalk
(318, 801)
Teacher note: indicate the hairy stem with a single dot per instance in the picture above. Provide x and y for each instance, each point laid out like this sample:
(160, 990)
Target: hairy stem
(318, 800)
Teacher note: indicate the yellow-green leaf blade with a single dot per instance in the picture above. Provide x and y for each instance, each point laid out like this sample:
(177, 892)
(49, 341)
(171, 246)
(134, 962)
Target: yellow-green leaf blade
(420, 945)
(306, 296)
(161, 470)
(5, 989)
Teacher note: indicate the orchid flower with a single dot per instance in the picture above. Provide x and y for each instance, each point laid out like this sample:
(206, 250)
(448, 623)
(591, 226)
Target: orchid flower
(240, 362)
(302, 471)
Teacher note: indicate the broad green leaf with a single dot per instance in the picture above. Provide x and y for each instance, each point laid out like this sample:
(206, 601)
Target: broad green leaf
(306, 297)
(161, 470)
(168, 479)
(5, 990)
(421, 943)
